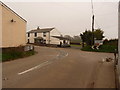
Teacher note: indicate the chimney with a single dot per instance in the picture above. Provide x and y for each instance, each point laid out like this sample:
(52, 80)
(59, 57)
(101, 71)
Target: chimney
(38, 28)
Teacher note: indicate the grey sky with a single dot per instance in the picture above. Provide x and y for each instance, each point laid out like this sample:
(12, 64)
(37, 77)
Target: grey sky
(70, 18)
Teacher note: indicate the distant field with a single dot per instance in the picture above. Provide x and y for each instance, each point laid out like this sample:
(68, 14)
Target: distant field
(75, 45)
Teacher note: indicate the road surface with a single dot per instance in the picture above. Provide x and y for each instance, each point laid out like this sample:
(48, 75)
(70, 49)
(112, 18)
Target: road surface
(60, 68)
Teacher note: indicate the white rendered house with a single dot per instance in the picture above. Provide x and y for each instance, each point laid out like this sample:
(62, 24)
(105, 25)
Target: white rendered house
(46, 36)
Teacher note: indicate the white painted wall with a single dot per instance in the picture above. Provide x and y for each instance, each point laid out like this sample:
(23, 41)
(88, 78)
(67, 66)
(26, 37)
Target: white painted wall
(31, 38)
(53, 40)
(0, 46)
(49, 39)
(0, 25)
(55, 32)
(119, 29)
(119, 42)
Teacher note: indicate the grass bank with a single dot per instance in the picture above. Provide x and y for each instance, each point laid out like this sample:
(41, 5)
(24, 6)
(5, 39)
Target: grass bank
(75, 45)
(15, 55)
(102, 48)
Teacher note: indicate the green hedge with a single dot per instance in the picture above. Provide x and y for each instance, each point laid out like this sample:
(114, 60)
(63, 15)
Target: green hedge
(102, 48)
(15, 55)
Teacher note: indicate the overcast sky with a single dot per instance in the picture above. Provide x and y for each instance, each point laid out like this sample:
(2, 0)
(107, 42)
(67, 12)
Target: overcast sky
(70, 18)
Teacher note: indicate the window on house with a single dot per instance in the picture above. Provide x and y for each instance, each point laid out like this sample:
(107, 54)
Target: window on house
(35, 34)
(28, 34)
(44, 41)
(44, 34)
(35, 40)
(28, 41)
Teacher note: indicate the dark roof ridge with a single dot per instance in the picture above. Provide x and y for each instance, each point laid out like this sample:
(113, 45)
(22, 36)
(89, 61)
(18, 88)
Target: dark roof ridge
(47, 28)
(41, 30)
(61, 37)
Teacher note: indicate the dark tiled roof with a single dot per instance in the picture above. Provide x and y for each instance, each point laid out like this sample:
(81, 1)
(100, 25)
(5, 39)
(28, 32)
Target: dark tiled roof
(41, 30)
(60, 37)
(11, 10)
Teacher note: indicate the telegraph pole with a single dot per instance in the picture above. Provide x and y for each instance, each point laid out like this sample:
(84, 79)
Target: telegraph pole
(93, 29)
(93, 17)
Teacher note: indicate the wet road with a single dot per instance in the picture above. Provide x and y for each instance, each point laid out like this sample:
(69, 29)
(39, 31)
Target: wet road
(57, 68)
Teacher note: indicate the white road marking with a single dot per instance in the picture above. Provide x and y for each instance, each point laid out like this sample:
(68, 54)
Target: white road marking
(58, 55)
(103, 60)
(66, 55)
(38, 66)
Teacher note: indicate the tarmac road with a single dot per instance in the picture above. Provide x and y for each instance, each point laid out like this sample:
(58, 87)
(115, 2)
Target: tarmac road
(60, 68)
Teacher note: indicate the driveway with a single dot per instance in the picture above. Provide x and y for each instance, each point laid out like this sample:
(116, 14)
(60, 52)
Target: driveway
(60, 68)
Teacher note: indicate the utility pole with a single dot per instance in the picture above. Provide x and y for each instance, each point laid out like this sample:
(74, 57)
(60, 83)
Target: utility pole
(93, 16)
(93, 29)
